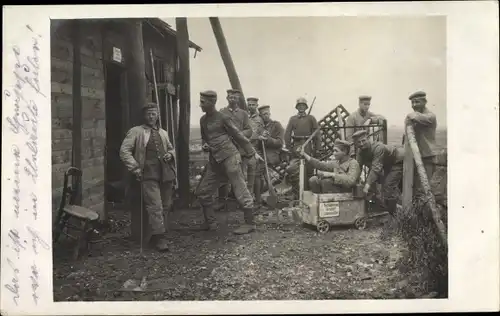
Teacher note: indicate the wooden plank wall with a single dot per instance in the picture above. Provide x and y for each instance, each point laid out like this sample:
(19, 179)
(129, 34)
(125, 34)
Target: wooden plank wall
(93, 104)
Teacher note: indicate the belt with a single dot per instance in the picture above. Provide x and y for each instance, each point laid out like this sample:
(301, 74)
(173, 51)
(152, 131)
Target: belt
(301, 137)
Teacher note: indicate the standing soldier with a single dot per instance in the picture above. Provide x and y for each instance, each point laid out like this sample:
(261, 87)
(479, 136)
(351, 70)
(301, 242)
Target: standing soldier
(361, 116)
(219, 136)
(425, 123)
(298, 130)
(272, 136)
(148, 154)
(386, 167)
(241, 120)
(257, 126)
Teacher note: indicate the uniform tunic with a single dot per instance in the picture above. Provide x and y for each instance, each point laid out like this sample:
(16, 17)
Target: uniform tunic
(345, 178)
(424, 125)
(386, 165)
(257, 125)
(302, 126)
(218, 132)
(357, 119)
(144, 148)
(241, 120)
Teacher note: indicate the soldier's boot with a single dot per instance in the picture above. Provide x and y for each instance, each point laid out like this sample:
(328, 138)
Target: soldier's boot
(159, 243)
(210, 220)
(249, 225)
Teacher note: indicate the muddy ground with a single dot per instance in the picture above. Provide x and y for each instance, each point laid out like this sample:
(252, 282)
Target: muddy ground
(278, 261)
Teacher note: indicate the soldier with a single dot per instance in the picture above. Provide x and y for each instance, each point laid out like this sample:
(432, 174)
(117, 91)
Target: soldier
(218, 134)
(272, 136)
(425, 123)
(386, 166)
(241, 120)
(148, 154)
(298, 130)
(361, 116)
(346, 171)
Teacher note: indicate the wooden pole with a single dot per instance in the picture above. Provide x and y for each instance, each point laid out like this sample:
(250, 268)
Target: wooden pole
(226, 58)
(412, 141)
(136, 82)
(156, 88)
(408, 171)
(77, 103)
(184, 110)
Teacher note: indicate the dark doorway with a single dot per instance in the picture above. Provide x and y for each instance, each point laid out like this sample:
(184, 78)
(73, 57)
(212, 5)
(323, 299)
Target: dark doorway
(114, 132)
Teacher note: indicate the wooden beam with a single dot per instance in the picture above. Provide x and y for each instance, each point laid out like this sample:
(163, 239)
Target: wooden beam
(184, 111)
(226, 58)
(408, 172)
(136, 83)
(412, 142)
(136, 66)
(77, 102)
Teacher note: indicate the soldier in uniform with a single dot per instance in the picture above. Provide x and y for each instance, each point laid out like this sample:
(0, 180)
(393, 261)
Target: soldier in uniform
(336, 176)
(425, 123)
(386, 166)
(219, 136)
(241, 120)
(298, 130)
(148, 154)
(272, 136)
(361, 116)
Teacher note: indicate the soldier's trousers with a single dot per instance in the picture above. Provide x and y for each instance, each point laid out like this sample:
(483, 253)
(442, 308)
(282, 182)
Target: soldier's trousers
(325, 185)
(228, 170)
(248, 168)
(157, 200)
(391, 180)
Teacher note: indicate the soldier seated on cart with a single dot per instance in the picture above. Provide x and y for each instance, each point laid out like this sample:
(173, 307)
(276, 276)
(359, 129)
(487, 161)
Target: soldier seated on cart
(336, 176)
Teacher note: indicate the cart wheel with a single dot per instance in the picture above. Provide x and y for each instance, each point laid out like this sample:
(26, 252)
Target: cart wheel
(323, 227)
(360, 223)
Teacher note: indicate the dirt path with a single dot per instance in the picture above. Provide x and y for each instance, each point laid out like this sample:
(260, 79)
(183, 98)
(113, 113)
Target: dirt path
(276, 262)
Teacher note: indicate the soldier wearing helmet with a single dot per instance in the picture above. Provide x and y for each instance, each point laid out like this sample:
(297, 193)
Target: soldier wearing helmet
(299, 128)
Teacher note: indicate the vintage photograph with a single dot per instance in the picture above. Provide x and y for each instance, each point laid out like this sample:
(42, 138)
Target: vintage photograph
(249, 158)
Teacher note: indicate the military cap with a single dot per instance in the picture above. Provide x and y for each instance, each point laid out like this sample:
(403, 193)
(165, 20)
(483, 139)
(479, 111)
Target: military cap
(359, 134)
(233, 91)
(208, 94)
(149, 105)
(418, 94)
(263, 107)
(364, 97)
(252, 99)
(342, 144)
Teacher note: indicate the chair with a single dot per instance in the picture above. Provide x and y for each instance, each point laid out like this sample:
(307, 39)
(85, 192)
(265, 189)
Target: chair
(68, 210)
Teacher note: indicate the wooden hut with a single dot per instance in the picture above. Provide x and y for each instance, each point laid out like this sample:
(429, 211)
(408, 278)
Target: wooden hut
(100, 77)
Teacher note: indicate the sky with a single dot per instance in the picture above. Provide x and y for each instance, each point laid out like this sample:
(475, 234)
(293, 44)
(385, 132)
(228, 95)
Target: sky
(336, 59)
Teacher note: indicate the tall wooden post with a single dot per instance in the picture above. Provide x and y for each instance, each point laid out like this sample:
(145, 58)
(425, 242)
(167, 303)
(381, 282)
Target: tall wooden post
(77, 102)
(226, 58)
(136, 77)
(184, 110)
(136, 82)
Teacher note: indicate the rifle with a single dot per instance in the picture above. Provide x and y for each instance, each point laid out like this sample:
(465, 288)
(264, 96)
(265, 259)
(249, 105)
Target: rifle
(312, 104)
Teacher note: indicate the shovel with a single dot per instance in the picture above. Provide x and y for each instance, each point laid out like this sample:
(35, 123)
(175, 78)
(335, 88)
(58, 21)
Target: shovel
(272, 199)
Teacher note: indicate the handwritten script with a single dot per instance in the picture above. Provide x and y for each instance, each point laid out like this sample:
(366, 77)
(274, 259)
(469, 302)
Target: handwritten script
(23, 100)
